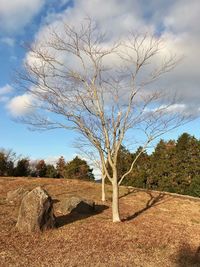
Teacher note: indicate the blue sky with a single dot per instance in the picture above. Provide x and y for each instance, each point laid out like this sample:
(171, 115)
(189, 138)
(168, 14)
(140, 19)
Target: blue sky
(22, 21)
(14, 135)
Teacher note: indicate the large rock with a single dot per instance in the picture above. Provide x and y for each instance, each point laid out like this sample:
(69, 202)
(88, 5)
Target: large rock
(36, 212)
(76, 204)
(16, 195)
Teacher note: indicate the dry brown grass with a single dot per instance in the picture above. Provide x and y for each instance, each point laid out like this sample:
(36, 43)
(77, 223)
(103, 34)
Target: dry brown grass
(157, 230)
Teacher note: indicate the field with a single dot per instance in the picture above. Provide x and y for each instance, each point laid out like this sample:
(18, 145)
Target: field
(157, 229)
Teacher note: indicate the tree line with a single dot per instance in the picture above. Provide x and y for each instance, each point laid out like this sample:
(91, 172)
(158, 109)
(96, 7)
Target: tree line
(13, 165)
(174, 166)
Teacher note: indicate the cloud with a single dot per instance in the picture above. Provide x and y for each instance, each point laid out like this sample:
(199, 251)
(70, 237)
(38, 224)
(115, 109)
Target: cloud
(178, 20)
(52, 160)
(116, 17)
(20, 105)
(65, 2)
(4, 99)
(8, 41)
(174, 108)
(15, 14)
(48, 160)
(4, 91)
(169, 20)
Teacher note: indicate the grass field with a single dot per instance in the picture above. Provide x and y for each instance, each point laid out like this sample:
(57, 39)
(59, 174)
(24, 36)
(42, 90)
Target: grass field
(157, 230)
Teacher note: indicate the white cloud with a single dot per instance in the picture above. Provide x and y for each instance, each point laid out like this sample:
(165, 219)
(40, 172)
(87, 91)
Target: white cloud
(171, 108)
(20, 105)
(183, 16)
(4, 99)
(116, 17)
(52, 160)
(6, 89)
(170, 19)
(15, 14)
(64, 2)
(177, 108)
(8, 41)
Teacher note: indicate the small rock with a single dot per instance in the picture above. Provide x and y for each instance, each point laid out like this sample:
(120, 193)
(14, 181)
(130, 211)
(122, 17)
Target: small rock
(36, 212)
(76, 204)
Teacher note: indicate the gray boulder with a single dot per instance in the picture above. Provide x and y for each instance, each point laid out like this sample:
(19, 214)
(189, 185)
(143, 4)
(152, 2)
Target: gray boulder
(16, 195)
(36, 212)
(76, 204)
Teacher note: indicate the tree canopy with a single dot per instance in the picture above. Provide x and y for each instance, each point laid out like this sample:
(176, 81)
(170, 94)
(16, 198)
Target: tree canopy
(78, 169)
(173, 166)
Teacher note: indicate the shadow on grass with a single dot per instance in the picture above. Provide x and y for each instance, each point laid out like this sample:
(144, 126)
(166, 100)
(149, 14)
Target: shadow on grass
(187, 257)
(76, 216)
(152, 202)
(129, 192)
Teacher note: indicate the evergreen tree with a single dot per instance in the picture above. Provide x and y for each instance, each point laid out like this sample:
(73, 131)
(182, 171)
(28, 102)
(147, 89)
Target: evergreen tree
(175, 167)
(41, 168)
(187, 165)
(3, 164)
(10, 168)
(50, 171)
(7, 158)
(60, 167)
(161, 173)
(138, 176)
(22, 168)
(78, 169)
(194, 187)
(125, 159)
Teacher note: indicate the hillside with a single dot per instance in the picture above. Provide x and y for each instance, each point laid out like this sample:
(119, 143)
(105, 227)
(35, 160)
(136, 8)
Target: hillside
(157, 230)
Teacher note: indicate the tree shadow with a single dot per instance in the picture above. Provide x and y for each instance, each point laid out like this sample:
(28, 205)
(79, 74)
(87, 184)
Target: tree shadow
(129, 192)
(188, 257)
(152, 202)
(74, 216)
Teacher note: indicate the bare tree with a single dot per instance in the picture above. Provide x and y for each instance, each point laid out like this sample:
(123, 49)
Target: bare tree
(80, 80)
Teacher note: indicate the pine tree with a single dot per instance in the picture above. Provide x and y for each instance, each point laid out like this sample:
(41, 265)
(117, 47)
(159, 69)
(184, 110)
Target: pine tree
(187, 164)
(3, 164)
(41, 168)
(139, 174)
(125, 159)
(50, 171)
(7, 158)
(22, 168)
(78, 169)
(161, 171)
(60, 167)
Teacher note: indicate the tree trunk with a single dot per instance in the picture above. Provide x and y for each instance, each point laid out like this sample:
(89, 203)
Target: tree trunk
(115, 201)
(103, 195)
